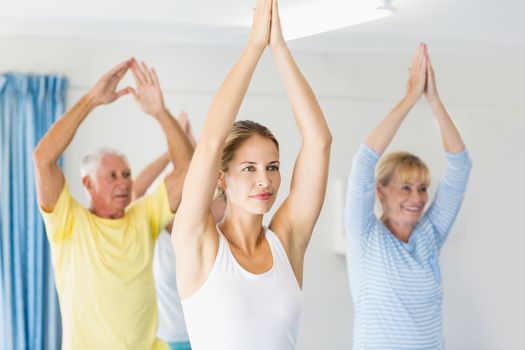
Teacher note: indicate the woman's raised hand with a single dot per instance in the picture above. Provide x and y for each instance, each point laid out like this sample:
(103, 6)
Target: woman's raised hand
(276, 32)
(262, 16)
(430, 92)
(417, 77)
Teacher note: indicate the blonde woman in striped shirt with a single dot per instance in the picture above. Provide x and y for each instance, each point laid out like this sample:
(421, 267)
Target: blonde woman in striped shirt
(393, 260)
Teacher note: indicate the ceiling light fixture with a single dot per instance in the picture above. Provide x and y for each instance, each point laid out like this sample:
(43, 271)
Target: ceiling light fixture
(320, 16)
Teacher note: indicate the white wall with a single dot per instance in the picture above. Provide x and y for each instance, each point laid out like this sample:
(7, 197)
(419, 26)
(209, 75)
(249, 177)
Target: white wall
(482, 262)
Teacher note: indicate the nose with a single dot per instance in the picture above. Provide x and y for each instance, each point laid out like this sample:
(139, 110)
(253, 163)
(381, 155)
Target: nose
(123, 181)
(416, 197)
(263, 181)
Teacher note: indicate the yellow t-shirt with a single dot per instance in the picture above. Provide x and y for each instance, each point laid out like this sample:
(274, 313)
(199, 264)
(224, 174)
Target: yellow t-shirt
(103, 272)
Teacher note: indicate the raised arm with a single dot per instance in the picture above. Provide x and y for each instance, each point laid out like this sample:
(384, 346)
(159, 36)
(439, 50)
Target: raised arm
(452, 141)
(149, 97)
(295, 219)
(382, 135)
(146, 177)
(194, 235)
(49, 177)
(194, 212)
(186, 126)
(449, 195)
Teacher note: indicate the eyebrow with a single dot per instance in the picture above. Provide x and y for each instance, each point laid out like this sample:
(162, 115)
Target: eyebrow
(413, 184)
(252, 163)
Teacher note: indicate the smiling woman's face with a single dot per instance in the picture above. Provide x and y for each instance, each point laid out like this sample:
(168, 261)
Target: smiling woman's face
(253, 178)
(404, 201)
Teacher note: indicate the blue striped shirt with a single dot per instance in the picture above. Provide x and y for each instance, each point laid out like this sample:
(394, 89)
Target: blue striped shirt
(396, 286)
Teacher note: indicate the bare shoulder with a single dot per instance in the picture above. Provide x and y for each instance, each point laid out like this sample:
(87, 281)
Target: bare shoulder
(196, 254)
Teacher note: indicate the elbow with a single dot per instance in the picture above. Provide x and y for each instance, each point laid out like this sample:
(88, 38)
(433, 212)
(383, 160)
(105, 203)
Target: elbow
(328, 138)
(324, 140)
(39, 157)
(319, 138)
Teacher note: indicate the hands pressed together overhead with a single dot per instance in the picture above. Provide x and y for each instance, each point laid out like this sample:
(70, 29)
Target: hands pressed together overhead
(266, 26)
(421, 79)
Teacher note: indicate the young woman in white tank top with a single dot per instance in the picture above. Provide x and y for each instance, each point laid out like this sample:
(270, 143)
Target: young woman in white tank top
(240, 282)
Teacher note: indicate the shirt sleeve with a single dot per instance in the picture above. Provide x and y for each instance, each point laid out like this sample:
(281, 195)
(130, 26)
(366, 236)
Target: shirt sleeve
(449, 196)
(360, 195)
(60, 221)
(157, 207)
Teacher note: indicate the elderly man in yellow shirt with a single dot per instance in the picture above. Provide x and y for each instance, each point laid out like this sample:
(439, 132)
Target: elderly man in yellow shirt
(102, 255)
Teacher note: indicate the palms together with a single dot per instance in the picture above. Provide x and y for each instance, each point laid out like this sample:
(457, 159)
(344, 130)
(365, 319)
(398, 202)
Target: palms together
(276, 32)
(421, 80)
(266, 27)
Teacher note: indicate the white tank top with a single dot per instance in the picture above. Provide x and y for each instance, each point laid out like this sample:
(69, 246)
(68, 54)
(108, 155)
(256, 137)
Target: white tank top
(171, 327)
(239, 310)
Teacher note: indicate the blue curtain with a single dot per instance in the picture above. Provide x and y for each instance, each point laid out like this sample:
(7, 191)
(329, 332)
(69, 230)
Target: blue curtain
(30, 317)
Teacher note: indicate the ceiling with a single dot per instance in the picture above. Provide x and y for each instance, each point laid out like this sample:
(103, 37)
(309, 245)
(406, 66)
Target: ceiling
(451, 25)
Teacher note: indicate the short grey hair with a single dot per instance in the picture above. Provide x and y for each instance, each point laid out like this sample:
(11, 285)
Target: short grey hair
(92, 160)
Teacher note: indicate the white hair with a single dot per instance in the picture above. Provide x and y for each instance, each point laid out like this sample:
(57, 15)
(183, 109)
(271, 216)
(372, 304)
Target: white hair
(92, 160)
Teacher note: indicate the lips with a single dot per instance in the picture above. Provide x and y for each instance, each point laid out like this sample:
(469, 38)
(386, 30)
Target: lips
(413, 209)
(263, 196)
(121, 196)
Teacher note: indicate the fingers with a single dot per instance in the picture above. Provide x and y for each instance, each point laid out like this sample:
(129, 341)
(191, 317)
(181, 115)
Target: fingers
(143, 75)
(183, 116)
(274, 15)
(263, 9)
(417, 81)
(122, 92)
(430, 89)
(146, 73)
(155, 77)
(419, 62)
(121, 69)
(260, 32)
(138, 75)
(275, 9)
(263, 5)
(422, 69)
(184, 121)
(133, 93)
(429, 64)
(417, 57)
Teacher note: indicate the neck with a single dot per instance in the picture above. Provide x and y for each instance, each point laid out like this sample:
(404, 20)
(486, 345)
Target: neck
(401, 231)
(107, 214)
(243, 230)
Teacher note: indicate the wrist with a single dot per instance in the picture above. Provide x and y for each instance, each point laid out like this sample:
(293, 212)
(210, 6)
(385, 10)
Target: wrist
(161, 113)
(411, 98)
(433, 100)
(90, 101)
(279, 45)
(255, 48)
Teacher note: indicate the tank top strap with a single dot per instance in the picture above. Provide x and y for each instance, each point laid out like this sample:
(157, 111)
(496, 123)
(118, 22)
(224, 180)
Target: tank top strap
(275, 244)
(282, 263)
(222, 250)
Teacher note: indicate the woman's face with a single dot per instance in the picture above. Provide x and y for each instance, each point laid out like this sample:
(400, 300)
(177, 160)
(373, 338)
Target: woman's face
(404, 202)
(253, 178)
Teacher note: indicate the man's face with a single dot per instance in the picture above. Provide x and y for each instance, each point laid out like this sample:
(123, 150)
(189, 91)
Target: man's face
(110, 188)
